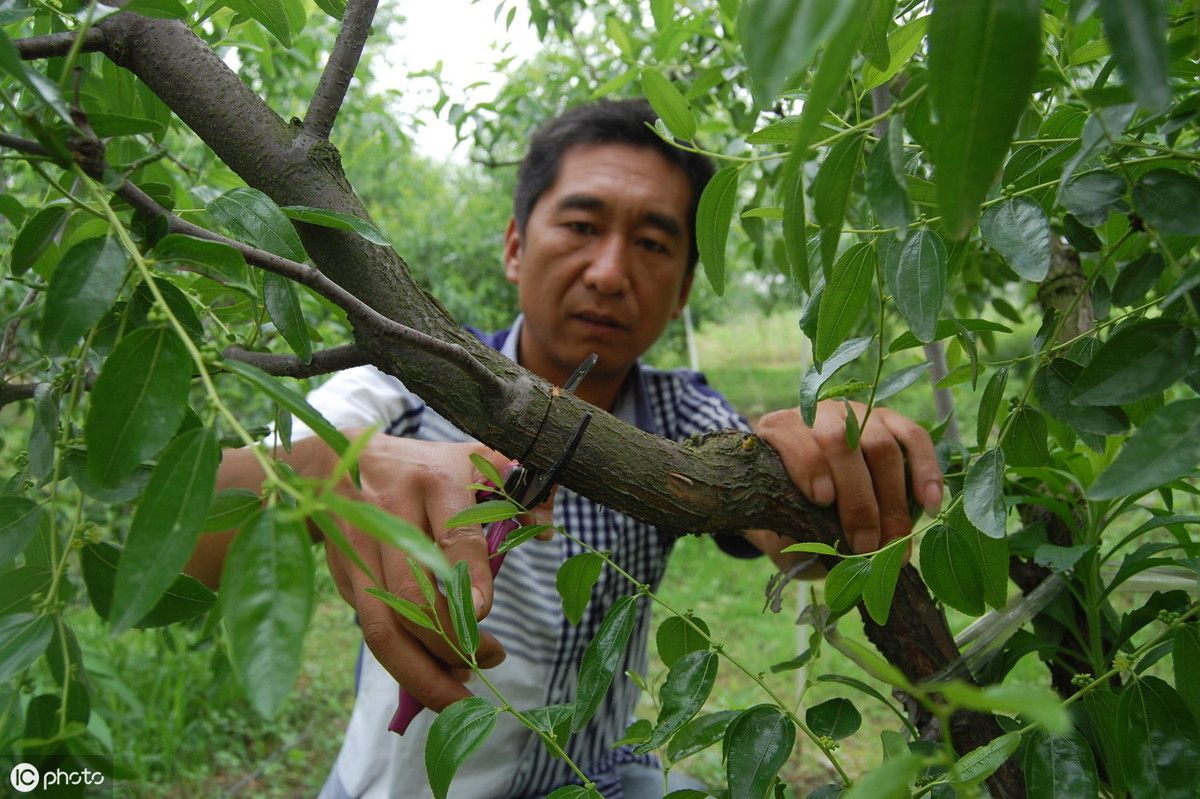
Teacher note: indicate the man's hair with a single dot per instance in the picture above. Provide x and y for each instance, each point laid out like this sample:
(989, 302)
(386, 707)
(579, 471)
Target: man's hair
(604, 122)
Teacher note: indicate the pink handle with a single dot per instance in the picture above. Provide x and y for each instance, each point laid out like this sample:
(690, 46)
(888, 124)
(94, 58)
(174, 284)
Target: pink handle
(409, 707)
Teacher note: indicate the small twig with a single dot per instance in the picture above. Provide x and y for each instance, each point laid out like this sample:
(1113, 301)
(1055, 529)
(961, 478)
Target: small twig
(59, 44)
(339, 70)
(15, 392)
(492, 163)
(28, 146)
(334, 359)
(315, 280)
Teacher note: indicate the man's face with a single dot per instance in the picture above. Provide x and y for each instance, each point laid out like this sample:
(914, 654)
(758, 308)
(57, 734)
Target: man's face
(602, 264)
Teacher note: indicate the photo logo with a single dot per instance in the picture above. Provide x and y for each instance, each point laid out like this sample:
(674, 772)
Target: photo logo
(24, 777)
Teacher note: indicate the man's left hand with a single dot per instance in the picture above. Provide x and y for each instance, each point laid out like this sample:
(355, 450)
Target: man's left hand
(867, 482)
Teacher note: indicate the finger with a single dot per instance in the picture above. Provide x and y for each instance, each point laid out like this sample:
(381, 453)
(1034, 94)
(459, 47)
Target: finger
(885, 462)
(858, 509)
(428, 680)
(926, 474)
(802, 457)
(444, 499)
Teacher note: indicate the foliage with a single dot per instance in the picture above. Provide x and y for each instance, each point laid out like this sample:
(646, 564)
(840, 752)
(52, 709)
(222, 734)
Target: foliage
(966, 172)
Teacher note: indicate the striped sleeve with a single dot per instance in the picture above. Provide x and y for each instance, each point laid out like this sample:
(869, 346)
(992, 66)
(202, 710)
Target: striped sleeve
(365, 397)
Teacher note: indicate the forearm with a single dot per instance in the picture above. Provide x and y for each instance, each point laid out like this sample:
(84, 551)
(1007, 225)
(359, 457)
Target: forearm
(240, 469)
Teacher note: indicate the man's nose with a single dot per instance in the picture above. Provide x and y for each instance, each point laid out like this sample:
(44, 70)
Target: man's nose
(608, 270)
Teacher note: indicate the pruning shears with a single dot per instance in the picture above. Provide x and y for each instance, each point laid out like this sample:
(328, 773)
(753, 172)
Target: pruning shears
(528, 487)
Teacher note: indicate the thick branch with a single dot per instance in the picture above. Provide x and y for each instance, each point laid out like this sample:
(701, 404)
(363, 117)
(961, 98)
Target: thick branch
(59, 44)
(15, 392)
(339, 70)
(27, 146)
(322, 362)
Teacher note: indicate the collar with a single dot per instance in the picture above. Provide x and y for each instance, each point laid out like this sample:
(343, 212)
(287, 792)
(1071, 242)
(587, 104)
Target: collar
(633, 401)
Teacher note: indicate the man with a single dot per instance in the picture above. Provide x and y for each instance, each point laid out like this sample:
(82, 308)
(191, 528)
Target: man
(601, 249)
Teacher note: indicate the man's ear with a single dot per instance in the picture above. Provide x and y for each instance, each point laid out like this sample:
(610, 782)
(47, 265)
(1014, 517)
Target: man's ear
(512, 252)
(684, 290)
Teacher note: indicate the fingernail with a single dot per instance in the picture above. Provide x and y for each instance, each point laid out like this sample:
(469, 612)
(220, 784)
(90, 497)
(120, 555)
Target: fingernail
(933, 497)
(477, 598)
(822, 490)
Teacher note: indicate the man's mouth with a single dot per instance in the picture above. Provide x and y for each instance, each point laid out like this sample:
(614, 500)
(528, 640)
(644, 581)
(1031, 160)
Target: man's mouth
(600, 320)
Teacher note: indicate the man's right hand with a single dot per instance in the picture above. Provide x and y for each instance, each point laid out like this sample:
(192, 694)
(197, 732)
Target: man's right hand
(424, 483)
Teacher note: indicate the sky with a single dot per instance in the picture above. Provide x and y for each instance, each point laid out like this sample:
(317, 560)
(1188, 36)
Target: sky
(467, 38)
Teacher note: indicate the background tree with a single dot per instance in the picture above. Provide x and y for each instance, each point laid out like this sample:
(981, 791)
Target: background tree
(939, 170)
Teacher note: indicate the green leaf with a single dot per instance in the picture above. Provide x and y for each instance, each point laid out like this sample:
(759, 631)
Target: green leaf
(486, 512)
(337, 221)
(1054, 388)
(158, 9)
(1165, 447)
(844, 299)
(669, 104)
(811, 546)
(888, 781)
(1185, 656)
(1160, 755)
(817, 376)
(253, 217)
(267, 599)
(390, 529)
(283, 304)
(462, 607)
(845, 583)
(1060, 767)
(137, 402)
(1039, 705)
(270, 14)
(43, 433)
(1136, 278)
(758, 743)
(903, 43)
(713, 217)
(290, 399)
(1092, 195)
(35, 236)
(229, 509)
(454, 735)
(881, 582)
(836, 718)
(603, 656)
(1017, 228)
(1025, 444)
(213, 259)
(83, 287)
(336, 9)
(23, 638)
(945, 329)
(406, 608)
(887, 185)
(676, 637)
(683, 694)
(1100, 720)
(185, 599)
(575, 579)
(875, 43)
(39, 85)
(780, 37)
(699, 734)
(1138, 361)
(1169, 201)
(1137, 32)
(989, 404)
(918, 282)
(980, 763)
(964, 568)
(166, 526)
(795, 231)
(983, 494)
(992, 43)
(831, 194)
(19, 521)
(573, 792)
(487, 469)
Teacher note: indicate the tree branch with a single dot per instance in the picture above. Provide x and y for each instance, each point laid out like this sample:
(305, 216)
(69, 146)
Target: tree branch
(59, 44)
(15, 392)
(323, 362)
(339, 70)
(27, 146)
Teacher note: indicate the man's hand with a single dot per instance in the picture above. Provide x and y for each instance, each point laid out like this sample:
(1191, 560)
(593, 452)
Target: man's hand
(424, 483)
(868, 482)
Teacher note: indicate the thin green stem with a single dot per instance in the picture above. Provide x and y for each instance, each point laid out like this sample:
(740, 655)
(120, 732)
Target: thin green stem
(76, 46)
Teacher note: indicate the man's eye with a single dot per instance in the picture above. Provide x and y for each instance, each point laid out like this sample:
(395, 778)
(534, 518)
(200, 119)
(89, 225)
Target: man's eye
(652, 245)
(582, 228)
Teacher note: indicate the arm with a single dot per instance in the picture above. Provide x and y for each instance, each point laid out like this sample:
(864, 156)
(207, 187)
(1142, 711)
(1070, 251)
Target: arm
(422, 482)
